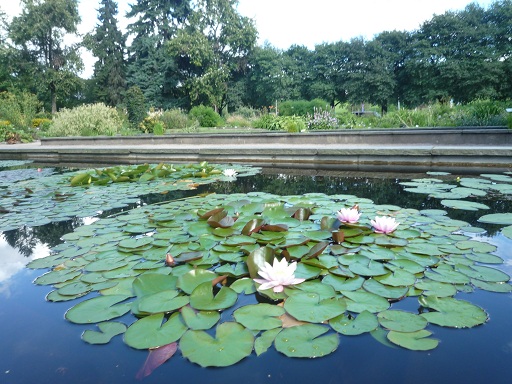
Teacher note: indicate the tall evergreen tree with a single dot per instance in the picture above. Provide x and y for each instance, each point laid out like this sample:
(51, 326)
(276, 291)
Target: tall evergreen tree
(45, 61)
(149, 65)
(107, 44)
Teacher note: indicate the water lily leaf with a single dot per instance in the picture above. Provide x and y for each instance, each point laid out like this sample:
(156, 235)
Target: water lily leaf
(507, 232)
(436, 288)
(487, 274)
(156, 357)
(368, 268)
(397, 278)
(416, 341)
(306, 341)
(107, 264)
(446, 274)
(264, 342)
(492, 287)
(74, 289)
(190, 280)
(389, 292)
(136, 243)
(98, 309)
(199, 320)
(344, 284)
(107, 331)
(164, 301)
(484, 258)
(406, 265)
(450, 312)
(232, 343)
(325, 291)
(234, 270)
(359, 301)
(256, 260)
(259, 317)
(401, 321)
(149, 332)
(424, 249)
(307, 306)
(202, 298)
(497, 218)
(352, 326)
(56, 276)
(464, 205)
(245, 285)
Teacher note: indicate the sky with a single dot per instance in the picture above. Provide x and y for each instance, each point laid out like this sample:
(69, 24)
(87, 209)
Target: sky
(283, 23)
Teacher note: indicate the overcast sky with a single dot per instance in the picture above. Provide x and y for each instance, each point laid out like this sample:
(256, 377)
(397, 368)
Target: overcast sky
(286, 22)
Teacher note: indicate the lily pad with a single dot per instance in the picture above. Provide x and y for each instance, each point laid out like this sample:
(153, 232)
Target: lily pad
(232, 343)
(107, 331)
(450, 312)
(352, 326)
(416, 341)
(401, 321)
(306, 341)
(149, 332)
(308, 307)
(98, 309)
(259, 316)
(202, 298)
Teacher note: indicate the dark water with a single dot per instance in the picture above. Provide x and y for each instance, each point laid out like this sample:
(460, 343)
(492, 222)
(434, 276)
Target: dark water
(39, 346)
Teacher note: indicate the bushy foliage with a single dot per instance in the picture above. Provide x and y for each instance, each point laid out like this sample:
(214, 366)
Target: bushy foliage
(482, 113)
(206, 116)
(176, 119)
(247, 112)
(86, 120)
(281, 123)
(302, 107)
(135, 105)
(322, 120)
(19, 109)
(238, 121)
(152, 123)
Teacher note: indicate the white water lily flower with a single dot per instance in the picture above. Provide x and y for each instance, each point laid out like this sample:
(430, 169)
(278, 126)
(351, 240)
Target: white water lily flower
(384, 224)
(277, 275)
(348, 215)
(230, 172)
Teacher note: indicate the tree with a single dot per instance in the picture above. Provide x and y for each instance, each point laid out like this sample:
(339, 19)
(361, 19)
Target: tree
(150, 67)
(107, 45)
(38, 34)
(212, 50)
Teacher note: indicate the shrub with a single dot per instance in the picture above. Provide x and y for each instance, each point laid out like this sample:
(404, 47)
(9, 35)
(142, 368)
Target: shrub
(247, 112)
(152, 121)
(175, 119)
(322, 119)
(86, 120)
(20, 109)
(302, 107)
(206, 116)
(236, 120)
(270, 122)
(135, 105)
(293, 123)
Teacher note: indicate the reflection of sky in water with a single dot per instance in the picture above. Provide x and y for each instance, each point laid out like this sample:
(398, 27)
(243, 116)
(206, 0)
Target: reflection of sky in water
(504, 246)
(11, 261)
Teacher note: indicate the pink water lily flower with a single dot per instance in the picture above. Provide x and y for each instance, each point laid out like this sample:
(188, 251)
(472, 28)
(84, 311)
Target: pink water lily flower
(384, 224)
(277, 275)
(348, 215)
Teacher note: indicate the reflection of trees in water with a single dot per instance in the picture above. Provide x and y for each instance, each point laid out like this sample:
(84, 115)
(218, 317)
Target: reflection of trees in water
(26, 238)
(377, 188)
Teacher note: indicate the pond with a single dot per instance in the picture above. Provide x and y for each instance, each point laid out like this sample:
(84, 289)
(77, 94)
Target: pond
(39, 345)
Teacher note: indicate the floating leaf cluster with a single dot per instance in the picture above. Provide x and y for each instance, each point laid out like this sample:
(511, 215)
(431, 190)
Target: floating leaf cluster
(13, 163)
(42, 200)
(182, 272)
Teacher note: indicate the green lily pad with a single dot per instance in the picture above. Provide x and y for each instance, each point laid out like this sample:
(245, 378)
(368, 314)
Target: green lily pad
(202, 298)
(190, 280)
(107, 331)
(164, 301)
(416, 341)
(264, 342)
(259, 316)
(450, 312)
(389, 292)
(232, 343)
(359, 301)
(352, 326)
(149, 332)
(199, 320)
(98, 309)
(401, 321)
(497, 218)
(307, 306)
(464, 205)
(306, 341)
